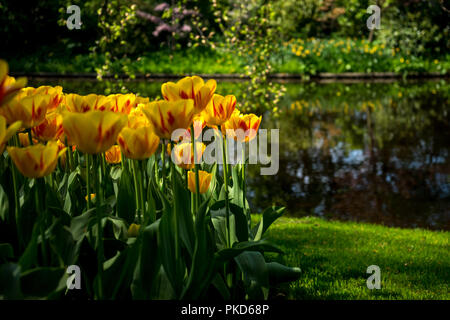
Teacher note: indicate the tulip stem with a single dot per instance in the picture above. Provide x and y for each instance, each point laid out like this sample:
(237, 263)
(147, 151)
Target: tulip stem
(88, 187)
(196, 165)
(175, 220)
(225, 175)
(244, 191)
(138, 189)
(163, 160)
(98, 204)
(16, 196)
(30, 137)
(41, 213)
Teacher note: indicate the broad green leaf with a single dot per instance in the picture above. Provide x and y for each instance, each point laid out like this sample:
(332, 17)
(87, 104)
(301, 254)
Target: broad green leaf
(126, 204)
(41, 281)
(4, 204)
(280, 273)
(268, 217)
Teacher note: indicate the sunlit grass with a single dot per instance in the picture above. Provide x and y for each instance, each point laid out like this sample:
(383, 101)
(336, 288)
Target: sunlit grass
(334, 256)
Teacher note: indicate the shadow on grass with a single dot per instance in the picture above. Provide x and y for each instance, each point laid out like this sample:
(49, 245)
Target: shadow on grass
(334, 262)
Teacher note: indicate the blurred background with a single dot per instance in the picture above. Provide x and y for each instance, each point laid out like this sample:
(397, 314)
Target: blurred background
(359, 148)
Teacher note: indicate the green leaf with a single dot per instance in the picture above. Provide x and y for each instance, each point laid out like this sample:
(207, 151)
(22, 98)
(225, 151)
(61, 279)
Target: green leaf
(4, 204)
(42, 281)
(126, 204)
(268, 217)
(256, 274)
(229, 253)
(280, 273)
(10, 281)
(201, 271)
(148, 264)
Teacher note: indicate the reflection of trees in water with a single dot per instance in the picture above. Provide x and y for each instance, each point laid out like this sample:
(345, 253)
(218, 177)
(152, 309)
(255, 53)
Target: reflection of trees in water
(386, 163)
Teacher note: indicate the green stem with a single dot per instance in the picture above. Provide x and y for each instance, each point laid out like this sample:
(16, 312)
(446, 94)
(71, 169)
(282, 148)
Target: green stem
(41, 214)
(30, 137)
(196, 166)
(16, 195)
(244, 191)
(136, 188)
(163, 160)
(175, 226)
(225, 175)
(142, 184)
(100, 249)
(88, 186)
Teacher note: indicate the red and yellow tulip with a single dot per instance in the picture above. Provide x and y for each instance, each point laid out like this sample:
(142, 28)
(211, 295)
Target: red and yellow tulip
(113, 155)
(204, 181)
(190, 88)
(36, 161)
(183, 154)
(167, 116)
(219, 109)
(138, 143)
(242, 127)
(50, 129)
(7, 132)
(93, 131)
(9, 86)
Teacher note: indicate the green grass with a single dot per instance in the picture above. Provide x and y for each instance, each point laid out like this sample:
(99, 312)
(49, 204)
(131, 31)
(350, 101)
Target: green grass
(296, 56)
(334, 256)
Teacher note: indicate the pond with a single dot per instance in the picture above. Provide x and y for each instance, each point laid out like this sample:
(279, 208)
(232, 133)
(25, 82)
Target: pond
(374, 152)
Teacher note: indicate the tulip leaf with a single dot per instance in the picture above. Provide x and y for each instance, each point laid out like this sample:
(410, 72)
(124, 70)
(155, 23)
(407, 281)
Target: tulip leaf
(4, 204)
(229, 253)
(201, 270)
(148, 264)
(268, 217)
(256, 274)
(41, 281)
(183, 214)
(126, 205)
(173, 267)
(281, 273)
(10, 281)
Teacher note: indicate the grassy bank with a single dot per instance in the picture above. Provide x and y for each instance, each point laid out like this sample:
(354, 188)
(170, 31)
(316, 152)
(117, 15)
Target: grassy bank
(307, 56)
(334, 256)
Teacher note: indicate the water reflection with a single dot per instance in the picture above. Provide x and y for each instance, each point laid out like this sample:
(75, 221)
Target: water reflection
(370, 154)
(366, 152)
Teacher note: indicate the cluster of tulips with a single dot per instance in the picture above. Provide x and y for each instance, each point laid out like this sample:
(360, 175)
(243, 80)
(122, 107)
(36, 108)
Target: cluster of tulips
(92, 186)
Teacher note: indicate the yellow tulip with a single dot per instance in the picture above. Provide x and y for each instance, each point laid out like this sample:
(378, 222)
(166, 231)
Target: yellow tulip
(133, 230)
(24, 139)
(9, 86)
(55, 93)
(28, 108)
(137, 118)
(199, 123)
(204, 181)
(36, 161)
(190, 88)
(77, 103)
(167, 116)
(93, 131)
(184, 154)
(113, 155)
(247, 124)
(50, 129)
(219, 109)
(138, 143)
(7, 133)
(123, 103)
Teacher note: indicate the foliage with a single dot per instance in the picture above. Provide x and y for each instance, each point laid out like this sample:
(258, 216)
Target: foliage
(133, 226)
